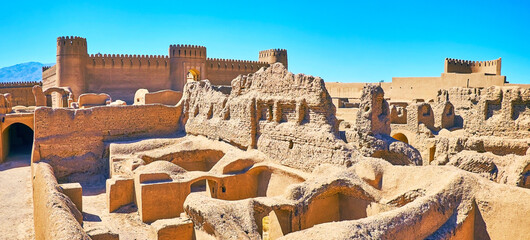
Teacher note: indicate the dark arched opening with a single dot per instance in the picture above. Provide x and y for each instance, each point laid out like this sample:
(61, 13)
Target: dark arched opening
(19, 139)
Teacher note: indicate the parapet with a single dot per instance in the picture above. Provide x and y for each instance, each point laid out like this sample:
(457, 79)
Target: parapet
(71, 45)
(127, 60)
(492, 67)
(273, 52)
(19, 84)
(187, 51)
(273, 56)
(238, 65)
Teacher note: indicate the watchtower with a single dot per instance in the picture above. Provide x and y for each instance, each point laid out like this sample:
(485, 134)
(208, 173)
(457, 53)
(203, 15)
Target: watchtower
(492, 67)
(273, 56)
(71, 63)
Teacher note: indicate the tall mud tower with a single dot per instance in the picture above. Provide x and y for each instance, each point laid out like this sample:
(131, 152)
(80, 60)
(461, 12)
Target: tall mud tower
(273, 56)
(71, 63)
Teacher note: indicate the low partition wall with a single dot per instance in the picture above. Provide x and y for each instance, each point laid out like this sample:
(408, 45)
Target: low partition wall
(72, 141)
(55, 215)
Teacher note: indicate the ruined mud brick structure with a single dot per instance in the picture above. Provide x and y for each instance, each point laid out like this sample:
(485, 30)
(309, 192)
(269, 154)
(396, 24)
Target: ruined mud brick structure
(266, 158)
(262, 153)
(121, 75)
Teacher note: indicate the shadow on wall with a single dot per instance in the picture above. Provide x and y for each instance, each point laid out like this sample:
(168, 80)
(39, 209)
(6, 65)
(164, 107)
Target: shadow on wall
(459, 122)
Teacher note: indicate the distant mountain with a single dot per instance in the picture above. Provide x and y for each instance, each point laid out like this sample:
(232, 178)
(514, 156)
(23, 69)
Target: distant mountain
(24, 72)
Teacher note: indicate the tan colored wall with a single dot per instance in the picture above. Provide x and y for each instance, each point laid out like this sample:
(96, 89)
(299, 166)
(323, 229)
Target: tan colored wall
(409, 88)
(21, 93)
(55, 216)
(344, 90)
(49, 77)
(79, 135)
(517, 85)
(107, 74)
(223, 71)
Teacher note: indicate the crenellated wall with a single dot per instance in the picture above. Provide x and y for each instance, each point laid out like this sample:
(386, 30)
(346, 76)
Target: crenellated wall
(465, 66)
(274, 55)
(223, 71)
(21, 92)
(121, 75)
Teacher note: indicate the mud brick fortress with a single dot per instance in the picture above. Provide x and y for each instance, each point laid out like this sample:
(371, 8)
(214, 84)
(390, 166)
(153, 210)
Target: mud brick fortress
(188, 147)
(121, 75)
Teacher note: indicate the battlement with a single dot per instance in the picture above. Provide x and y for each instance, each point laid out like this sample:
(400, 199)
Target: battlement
(19, 84)
(273, 56)
(187, 51)
(45, 68)
(71, 45)
(127, 60)
(465, 66)
(272, 52)
(237, 65)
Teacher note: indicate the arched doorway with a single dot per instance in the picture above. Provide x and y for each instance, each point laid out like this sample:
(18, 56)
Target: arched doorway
(401, 137)
(192, 76)
(18, 140)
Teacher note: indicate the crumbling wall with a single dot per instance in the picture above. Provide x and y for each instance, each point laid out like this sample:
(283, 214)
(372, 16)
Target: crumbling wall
(73, 140)
(289, 117)
(371, 134)
(55, 216)
(493, 111)
(398, 113)
(373, 116)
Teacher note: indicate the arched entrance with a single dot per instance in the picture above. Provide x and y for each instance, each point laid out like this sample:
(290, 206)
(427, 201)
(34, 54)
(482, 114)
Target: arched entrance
(17, 140)
(401, 137)
(193, 75)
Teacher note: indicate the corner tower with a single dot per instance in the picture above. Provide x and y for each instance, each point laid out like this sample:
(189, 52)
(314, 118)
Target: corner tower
(71, 64)
(273, 56)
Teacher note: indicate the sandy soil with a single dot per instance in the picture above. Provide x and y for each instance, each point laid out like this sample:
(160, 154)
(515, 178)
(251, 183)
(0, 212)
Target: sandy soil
(125, 221)
(16, 202)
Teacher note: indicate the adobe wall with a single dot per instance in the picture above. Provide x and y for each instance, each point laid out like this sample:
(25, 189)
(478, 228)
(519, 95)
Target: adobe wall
(21, 92)
(121, 75)
(72, 141)
(458, 73)
(55, 216)
(345, 90)
(223, 71)
(49, 76)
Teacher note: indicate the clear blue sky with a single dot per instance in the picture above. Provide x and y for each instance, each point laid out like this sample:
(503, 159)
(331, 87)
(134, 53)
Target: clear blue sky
(342, 41)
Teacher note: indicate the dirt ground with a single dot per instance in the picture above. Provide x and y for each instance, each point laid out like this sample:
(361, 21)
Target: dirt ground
(125, 221)
(16, 203)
